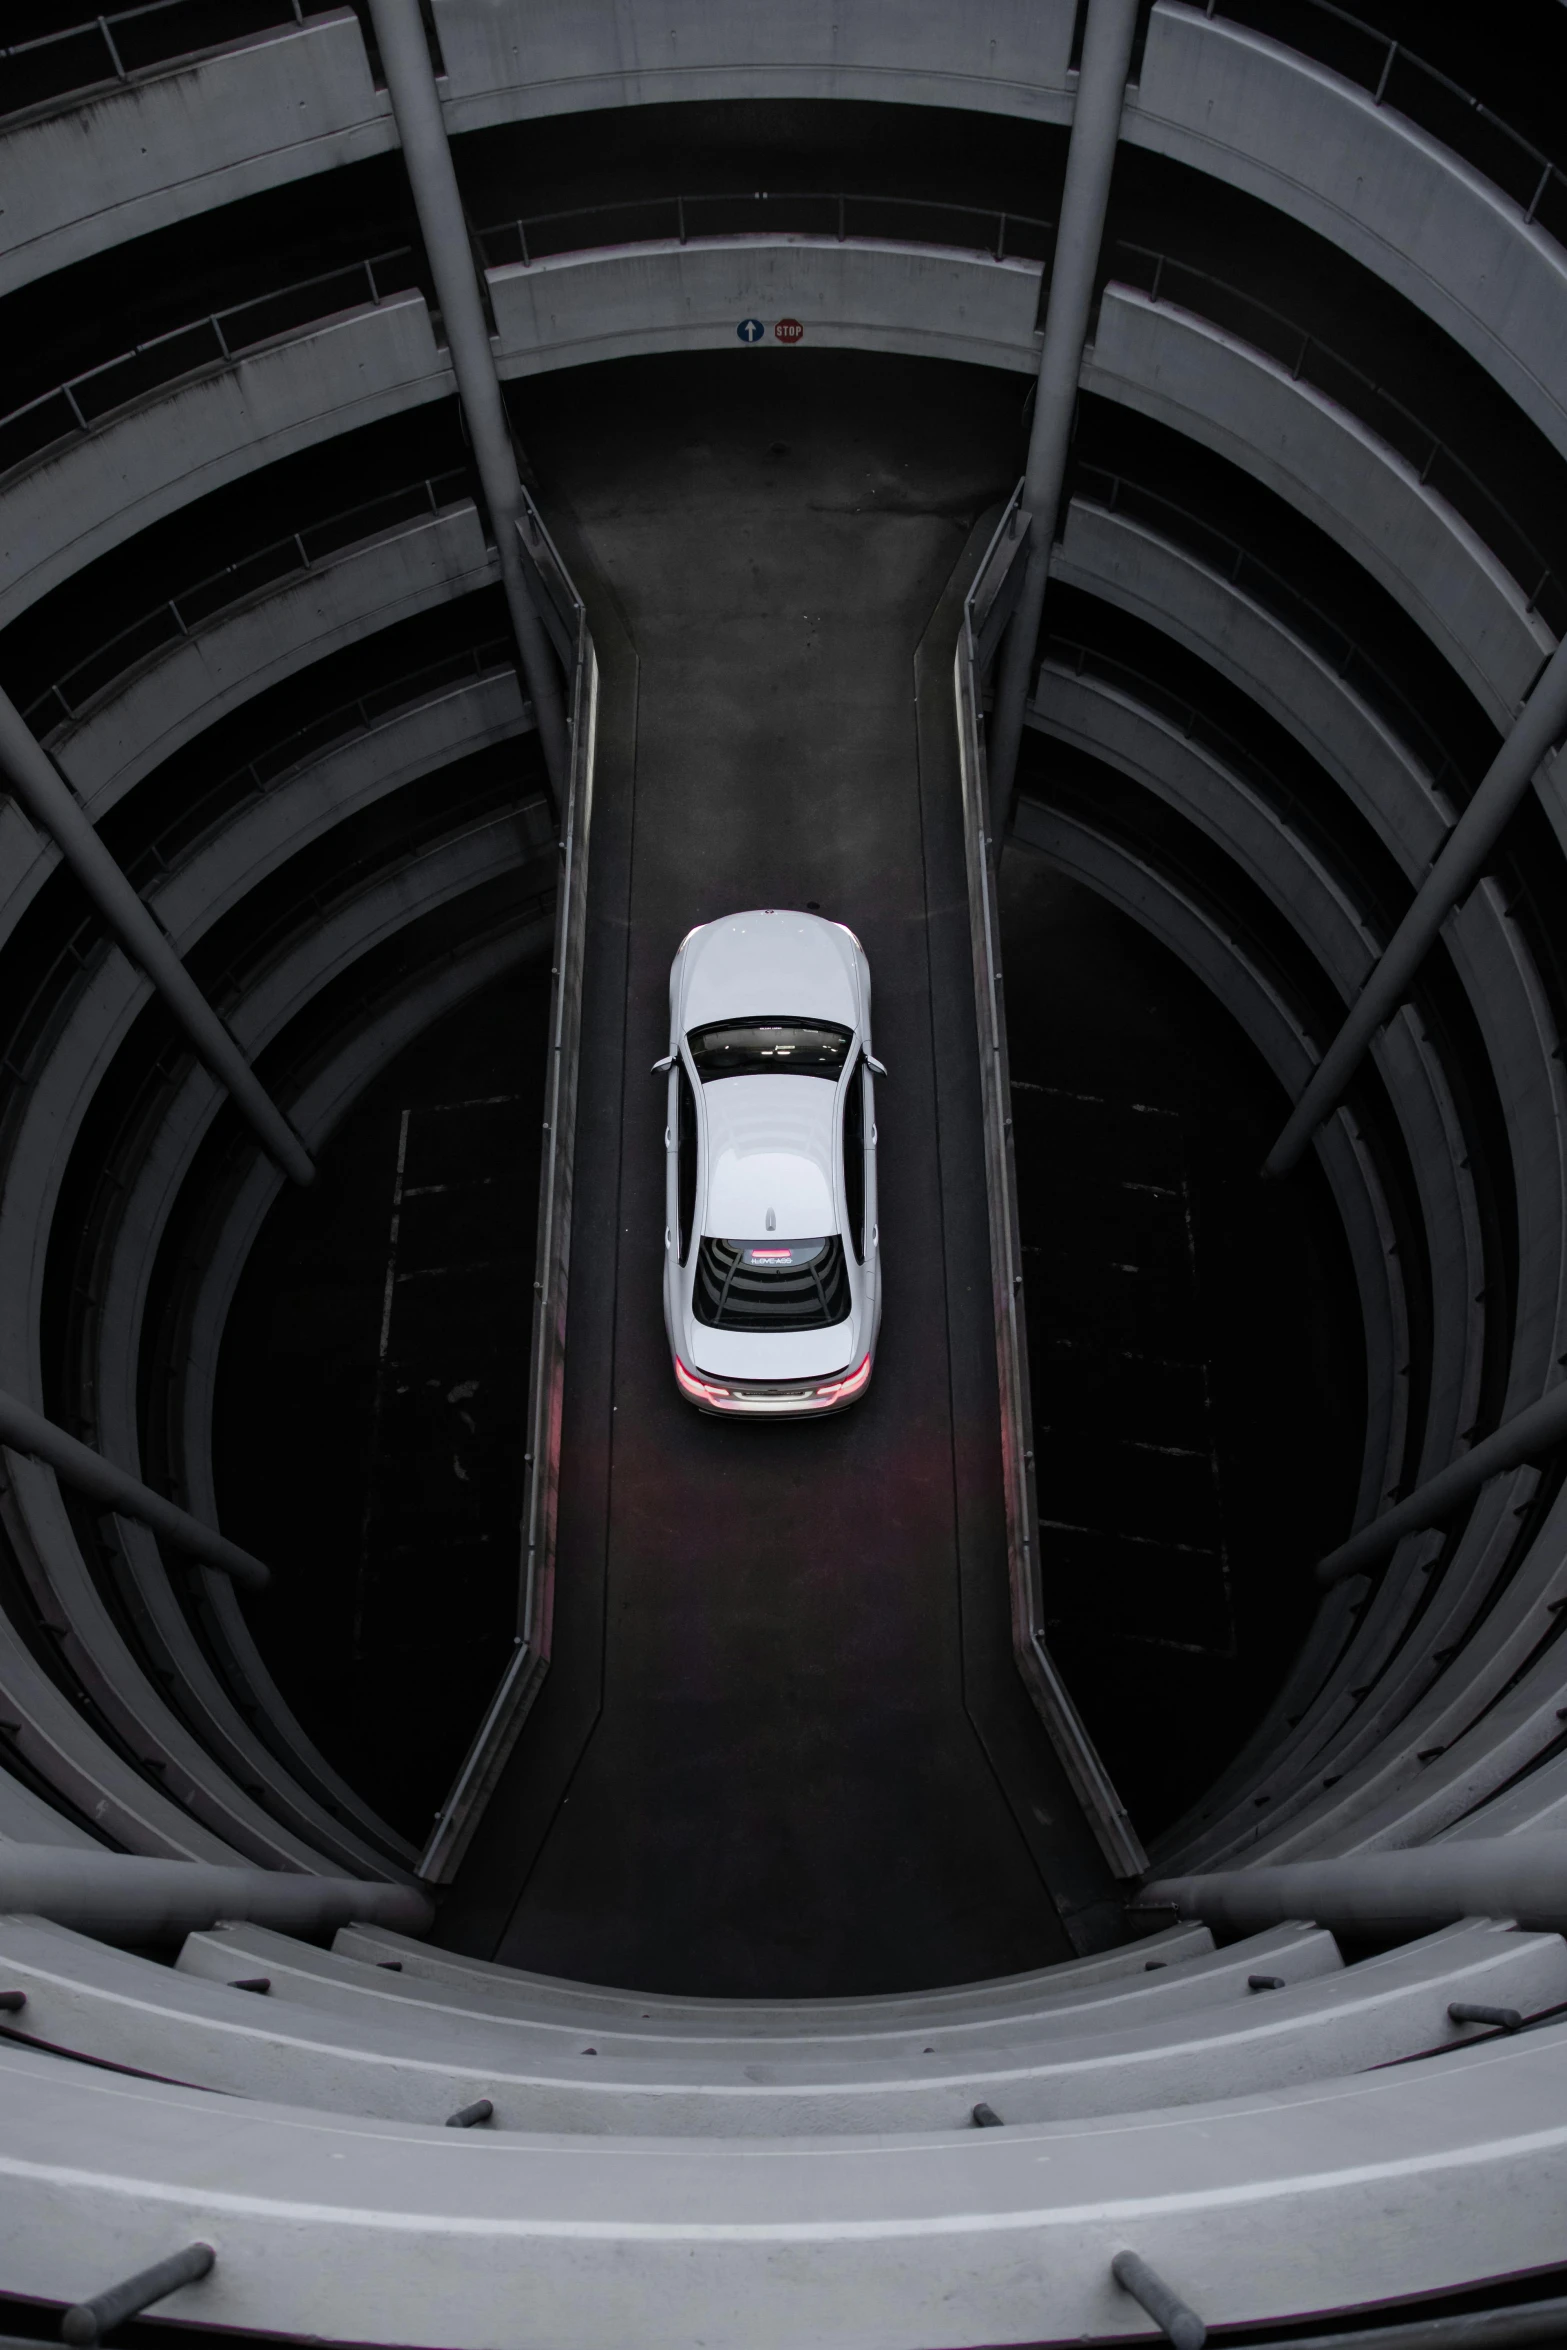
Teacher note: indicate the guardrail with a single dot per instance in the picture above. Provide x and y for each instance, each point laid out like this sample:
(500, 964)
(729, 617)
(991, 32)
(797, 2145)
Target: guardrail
(68, 698)
(1068, 656)
(1406, 83)
(127, 41)
(1164, 278)
(1117, 493)
(640, 220)
(212, 340)
(342, 723)
(986, 610)
(565, 619)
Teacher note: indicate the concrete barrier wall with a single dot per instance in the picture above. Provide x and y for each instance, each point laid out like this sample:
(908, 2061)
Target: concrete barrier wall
(619, 302)
(88, 495)
(1403, 2182)
(96, 171)
(1260, 117)
(1232, 399)
(340, 601)
(509, 60)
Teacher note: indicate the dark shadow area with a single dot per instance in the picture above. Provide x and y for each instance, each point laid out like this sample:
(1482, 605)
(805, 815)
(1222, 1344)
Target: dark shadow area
(1194, 1341)
(370, 1402)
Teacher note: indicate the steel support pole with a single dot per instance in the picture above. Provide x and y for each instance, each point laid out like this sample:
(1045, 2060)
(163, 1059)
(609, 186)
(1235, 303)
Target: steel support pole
(1096, 126)
(421, 127)
(76, 1464)
(1457, 868)
(36, 783)
(1525, 1437)
(125, 1897)
(1412, 1892)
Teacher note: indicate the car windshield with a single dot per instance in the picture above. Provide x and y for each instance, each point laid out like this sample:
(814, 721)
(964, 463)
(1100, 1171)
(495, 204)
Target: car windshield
(762, 1048)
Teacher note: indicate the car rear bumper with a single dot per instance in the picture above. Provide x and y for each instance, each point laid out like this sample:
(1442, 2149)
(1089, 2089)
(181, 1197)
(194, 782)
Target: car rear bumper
(793, 1399)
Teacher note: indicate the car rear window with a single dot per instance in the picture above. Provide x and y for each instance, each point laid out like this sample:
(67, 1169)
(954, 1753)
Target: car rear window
(771, 1284)
(762, 1048)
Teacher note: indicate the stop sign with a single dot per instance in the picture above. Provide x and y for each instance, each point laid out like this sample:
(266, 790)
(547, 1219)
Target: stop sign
(789, 330)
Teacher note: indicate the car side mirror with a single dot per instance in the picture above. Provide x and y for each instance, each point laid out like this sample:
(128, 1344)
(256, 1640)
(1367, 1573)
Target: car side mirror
(874, 1065)
(663, 1067)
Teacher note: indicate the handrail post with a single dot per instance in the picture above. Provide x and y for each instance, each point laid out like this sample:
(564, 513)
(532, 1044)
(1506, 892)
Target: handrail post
(88, 2321)
(1457, 867)
(1096, 127)
(32, 776)
(421, 127)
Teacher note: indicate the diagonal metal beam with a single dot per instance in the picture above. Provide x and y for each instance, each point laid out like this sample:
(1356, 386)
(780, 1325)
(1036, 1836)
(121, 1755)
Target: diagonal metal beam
(54, 808)
(421, 127)
(1458, 866)
(1085, 198)
(1528, 1436)
(75, 1463)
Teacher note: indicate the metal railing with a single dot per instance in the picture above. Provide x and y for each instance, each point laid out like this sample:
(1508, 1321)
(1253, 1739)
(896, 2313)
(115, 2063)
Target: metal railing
(565, 617)
(127, 41)
(114, 46)
(1307, 620)
(1068, 656)
(1427, 97)
(1163, 278)
(343, 723)
(65, 700)
(639, 220)
(984, 613)
(1016, 236)
(74, 407)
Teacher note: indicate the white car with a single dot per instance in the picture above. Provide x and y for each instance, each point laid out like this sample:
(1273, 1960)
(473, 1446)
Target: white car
(772, 1284)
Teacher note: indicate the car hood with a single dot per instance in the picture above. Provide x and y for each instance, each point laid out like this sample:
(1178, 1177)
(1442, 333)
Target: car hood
(771, 965)
(769, 1150)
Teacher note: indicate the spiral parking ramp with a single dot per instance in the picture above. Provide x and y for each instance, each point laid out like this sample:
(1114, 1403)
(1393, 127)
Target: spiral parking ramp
(321, 706)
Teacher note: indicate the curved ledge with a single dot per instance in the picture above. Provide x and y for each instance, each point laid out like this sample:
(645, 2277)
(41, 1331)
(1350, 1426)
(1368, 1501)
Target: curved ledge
(1233, 104)
(94, 172)
(1403, 2182)
(515, 64)
(1230, 398)
(620, 301)
(145, 462)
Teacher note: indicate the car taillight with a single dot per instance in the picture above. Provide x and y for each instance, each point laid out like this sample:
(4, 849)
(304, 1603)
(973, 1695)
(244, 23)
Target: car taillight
(841, 1388)
(702, 1389)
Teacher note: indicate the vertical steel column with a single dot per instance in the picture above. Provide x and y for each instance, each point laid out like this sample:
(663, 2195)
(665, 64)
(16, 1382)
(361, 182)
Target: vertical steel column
(33, 778)
(1463, 855)
(421, 127)
(1096, 124)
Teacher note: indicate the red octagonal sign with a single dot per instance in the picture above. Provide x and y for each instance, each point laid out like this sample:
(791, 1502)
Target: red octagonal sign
(789, 330)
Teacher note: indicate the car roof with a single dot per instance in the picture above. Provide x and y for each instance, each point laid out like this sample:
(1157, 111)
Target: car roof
(770, 964)
(769, 1148)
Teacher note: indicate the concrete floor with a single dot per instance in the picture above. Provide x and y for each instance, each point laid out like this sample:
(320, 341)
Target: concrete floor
(790, 1781)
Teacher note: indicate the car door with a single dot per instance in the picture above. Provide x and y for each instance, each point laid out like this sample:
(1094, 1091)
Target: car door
(859, 1160)
(680, 1162)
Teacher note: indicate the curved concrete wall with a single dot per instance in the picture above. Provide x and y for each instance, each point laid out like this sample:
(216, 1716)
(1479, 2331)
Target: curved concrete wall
(1248, 111)
(510, 61)
(92, 494)
(1416, 1699)
(89, 175)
